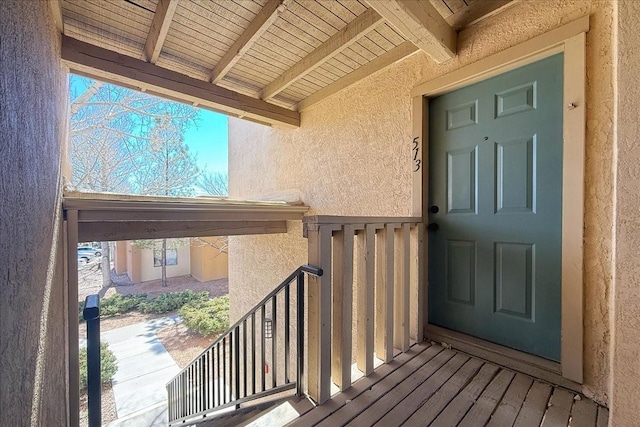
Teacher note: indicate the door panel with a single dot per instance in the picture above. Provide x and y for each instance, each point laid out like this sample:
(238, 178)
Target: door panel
(461, 271)
(461, 181)
(495, 174)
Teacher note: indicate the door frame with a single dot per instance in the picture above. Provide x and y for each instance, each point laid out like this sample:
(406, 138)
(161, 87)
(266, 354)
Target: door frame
(569, 39)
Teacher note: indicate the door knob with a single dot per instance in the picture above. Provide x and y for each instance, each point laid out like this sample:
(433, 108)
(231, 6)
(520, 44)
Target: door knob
(433, 227)
(434, 209)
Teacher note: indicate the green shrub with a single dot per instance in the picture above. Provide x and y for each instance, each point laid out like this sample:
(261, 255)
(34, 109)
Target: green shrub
(115, 304)
(108, 365)
(172, 301)
(119, 304)
(207, 317)
(164, 303)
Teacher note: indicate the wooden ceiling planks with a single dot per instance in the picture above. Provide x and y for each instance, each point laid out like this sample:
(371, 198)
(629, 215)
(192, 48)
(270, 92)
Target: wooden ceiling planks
(341, 40)
(101, 38)
(116, 22)
(251, 34)
(298, 57)
(442, 7)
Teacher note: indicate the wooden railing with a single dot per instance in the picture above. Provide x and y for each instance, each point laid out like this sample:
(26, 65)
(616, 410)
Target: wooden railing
(373, 268)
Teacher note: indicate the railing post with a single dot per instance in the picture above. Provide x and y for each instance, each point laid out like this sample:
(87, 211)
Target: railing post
(319, 312)
(91, 315)
(300, 335)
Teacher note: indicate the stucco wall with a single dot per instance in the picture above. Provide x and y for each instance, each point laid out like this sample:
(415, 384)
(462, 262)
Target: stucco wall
(120, 257)
(140, 266)
(33, 116)
(625, 374)
(349, 157)
(207, 262)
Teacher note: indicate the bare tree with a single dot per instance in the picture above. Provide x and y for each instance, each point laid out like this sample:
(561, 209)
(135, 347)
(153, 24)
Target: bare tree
(167, 169)
(112, 132)
(214, 183)
(219, 243)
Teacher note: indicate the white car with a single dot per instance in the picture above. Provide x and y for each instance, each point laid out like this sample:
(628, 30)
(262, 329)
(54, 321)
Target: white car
(88, 253)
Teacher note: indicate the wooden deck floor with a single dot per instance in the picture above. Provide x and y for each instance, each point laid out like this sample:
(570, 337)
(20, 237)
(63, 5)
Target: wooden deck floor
(433, 386)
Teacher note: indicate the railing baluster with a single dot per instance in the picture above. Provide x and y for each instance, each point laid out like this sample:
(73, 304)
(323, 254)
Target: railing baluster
(274, 341)
(244, 356)
(209, 377)
(189, 391)
(236, 342)
(253, 353)
(341, 340)
(300, 335)
(365, 292)
(232, 364)
(203, 383)
(287, 328)
(224, 370)
(217, 388)
(401, 294)
(262, 348)
(195, 389)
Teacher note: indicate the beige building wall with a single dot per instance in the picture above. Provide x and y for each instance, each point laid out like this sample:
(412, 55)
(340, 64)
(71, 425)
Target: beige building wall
(140, 266)
(120, 257)
(207, 262)
(349, 157)
(625, 318)
(33, 129)
(133, 263)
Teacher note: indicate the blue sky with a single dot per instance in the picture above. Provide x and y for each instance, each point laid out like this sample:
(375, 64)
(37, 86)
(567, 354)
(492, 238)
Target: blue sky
(208, 140)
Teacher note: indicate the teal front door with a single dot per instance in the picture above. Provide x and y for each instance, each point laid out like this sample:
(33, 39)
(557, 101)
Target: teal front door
(495, 209)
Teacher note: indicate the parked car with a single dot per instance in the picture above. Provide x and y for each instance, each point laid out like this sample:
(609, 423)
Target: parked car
(88, 252)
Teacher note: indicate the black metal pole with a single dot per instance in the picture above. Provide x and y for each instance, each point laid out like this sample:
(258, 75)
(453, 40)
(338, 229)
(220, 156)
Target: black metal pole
(91, 315)
(300, 334)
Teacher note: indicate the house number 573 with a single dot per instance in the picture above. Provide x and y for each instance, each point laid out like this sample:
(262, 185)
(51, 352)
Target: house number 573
(416, 150)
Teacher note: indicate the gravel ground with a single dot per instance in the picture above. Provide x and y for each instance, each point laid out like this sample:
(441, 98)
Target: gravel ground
(108, 406)
(182, 344)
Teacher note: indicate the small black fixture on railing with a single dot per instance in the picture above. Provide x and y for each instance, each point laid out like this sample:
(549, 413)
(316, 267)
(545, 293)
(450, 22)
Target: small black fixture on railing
(91, 315)
(232, 371)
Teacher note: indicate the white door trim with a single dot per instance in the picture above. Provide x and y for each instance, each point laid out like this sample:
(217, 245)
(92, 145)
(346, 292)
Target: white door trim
(569, 39)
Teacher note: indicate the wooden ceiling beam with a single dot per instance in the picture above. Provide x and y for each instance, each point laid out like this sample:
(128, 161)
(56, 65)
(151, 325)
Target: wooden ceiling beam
(90, 60)
(476, 12)
(159, 29)
(56, 11)
(420, 23)
(396, 54)
(263, 20)
(340, 41)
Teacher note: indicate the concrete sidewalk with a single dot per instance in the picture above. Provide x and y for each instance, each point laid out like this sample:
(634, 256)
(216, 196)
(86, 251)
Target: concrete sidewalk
(144, 368)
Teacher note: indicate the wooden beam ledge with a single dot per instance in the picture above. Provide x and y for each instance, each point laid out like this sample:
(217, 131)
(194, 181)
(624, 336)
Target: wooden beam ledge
(93, 61)
(132, 230)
